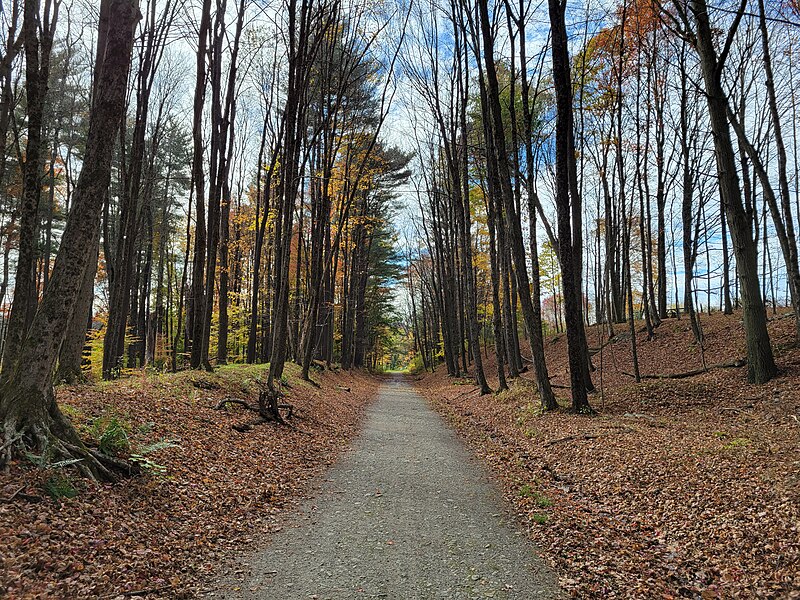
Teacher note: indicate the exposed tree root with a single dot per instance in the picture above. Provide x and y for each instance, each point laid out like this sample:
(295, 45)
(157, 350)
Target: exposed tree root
(35, 429)
(256, 409)
(7, 445)
(268, 408)
(55, 446)
(116, 465)
(221, 404)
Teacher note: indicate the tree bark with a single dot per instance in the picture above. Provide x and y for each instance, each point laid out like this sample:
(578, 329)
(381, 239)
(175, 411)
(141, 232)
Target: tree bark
(70, 360)
(194, 319)
(28, 409)
(37, 73)
(760, 361)
(572, 305)
(514, 227)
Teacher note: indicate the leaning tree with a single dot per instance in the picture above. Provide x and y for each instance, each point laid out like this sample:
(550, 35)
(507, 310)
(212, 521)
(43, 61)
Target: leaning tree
(29, 414)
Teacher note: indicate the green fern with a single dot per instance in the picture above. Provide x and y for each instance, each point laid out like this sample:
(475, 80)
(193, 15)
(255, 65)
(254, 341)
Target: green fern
(147, 464)
(114, 438)
(59, 486)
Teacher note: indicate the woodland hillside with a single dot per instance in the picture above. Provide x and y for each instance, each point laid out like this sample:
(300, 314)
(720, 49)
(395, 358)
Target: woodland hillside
(679, 488)
(212, 485)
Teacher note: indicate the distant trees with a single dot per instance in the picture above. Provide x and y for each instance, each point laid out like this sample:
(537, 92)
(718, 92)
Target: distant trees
(191, 240)
(447, 217)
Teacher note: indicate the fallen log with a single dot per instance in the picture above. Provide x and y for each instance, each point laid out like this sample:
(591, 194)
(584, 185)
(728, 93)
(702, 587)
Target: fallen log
(733, 364)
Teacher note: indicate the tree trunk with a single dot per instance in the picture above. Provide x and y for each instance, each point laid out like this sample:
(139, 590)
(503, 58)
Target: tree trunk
(537, 339)
(28, 408)
(574, 323)
(194, 320)
(37, 73)
(760, 361)
(514, 227)
(70, 360)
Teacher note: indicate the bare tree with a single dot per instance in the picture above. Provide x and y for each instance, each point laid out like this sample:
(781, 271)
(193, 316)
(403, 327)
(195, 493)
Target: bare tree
(569, 239)
(695, 25)
(38, 44)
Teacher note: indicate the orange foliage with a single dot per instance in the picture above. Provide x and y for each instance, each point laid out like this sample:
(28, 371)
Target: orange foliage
(640, 18)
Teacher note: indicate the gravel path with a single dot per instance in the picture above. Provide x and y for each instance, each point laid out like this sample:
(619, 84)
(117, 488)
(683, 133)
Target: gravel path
(407, 514)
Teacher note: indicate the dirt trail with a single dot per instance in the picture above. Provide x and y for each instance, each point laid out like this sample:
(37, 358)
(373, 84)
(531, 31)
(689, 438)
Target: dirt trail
(407, 514)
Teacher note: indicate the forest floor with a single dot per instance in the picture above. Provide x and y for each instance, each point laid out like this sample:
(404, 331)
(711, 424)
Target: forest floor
(677, 488)
(207, 490)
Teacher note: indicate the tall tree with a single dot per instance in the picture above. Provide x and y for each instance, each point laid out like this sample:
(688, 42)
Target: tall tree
(134, 209)
(760, 360)
(28, 410)
(194, 318)
(512, 219)
(569, 240)
(38, 44)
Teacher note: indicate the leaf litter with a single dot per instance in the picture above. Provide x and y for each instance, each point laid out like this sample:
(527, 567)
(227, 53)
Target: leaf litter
(678, 488)
(215, 491)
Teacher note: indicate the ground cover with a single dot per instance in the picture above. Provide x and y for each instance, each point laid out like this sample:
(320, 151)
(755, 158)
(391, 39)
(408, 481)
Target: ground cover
(678, 488)
(206, 488)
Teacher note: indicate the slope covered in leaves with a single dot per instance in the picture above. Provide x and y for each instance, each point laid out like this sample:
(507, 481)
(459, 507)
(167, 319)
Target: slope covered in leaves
(678, 488)
(209, 488)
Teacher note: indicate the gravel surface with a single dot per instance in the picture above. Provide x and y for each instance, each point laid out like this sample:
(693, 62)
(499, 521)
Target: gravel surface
(407, 514)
